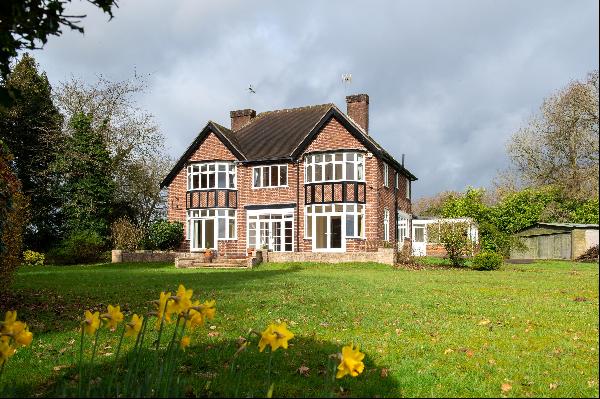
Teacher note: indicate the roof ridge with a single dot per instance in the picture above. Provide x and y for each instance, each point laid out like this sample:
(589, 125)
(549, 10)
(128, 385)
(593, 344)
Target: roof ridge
(305, 107)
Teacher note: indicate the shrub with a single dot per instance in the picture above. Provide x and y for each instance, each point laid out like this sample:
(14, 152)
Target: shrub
(487, 261)
(32, 258)
(126, 235)
(80, 247)
(455, 238)
(165, 235)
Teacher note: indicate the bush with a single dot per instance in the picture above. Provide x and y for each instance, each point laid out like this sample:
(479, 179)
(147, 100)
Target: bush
(487, 261)
(80, 247)
(32, 258)
(126, 235)
(164, 235)
(455, 238)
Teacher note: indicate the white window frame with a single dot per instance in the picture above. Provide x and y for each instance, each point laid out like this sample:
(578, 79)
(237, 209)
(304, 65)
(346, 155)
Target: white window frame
(253, 216)
(219, 215)
(397, 178)
(407, 188)
(321, 160)
(385, 175)
(196, 169)
(261, 170)
(386, 225)
(353, 209)
(402, 227)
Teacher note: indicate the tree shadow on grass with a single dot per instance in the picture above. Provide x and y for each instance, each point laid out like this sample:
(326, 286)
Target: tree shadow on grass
(60, 304)
(213, 370)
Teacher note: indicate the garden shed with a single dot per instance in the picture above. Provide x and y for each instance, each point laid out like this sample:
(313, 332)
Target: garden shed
(555, 241)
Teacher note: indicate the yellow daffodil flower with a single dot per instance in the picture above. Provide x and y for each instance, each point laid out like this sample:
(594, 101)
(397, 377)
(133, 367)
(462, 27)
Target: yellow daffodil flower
(182, 300)
(351, 362)
(132, 329)
(91, 322)
(162, 302)
(195, 317)
(21, 334)
(185, 342)
(6, 351)
(9, 319)
(208, 309)
(276, 335)
(113, 316)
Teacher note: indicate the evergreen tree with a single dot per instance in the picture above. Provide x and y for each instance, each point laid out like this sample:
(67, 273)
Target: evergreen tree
(31, 128)
(87, 187)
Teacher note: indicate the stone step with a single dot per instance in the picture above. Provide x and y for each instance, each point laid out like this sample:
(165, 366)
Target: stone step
(187, 262)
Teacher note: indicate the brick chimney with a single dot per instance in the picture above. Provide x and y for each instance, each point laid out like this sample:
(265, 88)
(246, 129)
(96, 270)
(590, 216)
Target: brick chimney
(241, 118)
(358, 109)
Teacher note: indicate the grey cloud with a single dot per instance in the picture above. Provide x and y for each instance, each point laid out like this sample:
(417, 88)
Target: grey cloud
(449, 82)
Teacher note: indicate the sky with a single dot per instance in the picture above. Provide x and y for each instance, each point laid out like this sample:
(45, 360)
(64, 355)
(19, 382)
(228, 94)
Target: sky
(449, 81)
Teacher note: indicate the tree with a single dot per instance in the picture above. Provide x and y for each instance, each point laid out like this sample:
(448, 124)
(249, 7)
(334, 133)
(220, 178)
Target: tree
(560, 145)
(454, 236)
(31, 127)
(13, 216)
(87, 187)
(25, 24)
(133, 139)
(432, 206)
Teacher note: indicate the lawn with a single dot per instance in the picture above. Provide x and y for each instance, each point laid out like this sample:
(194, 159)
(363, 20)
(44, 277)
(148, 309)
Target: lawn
(525, 330)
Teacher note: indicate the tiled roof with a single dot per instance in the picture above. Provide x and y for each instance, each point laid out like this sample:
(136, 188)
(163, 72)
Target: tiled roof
(275, 134)
(282, 135)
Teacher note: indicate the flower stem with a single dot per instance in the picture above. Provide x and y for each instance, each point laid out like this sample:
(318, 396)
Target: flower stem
(92, 359)
(116, 360)
(80, 362)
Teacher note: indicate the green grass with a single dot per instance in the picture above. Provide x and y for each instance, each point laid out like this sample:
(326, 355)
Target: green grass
(423, 327)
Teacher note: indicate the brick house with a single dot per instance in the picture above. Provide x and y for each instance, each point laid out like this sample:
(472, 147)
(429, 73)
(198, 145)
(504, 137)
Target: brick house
(307, 179)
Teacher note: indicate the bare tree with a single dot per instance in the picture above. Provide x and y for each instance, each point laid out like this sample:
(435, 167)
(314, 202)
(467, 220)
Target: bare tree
(559, 146)
(132, 136)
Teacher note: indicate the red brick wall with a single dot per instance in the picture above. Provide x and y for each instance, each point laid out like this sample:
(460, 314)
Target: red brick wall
(333, 136)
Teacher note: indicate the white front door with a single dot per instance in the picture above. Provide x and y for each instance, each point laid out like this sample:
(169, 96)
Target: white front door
(419, 240)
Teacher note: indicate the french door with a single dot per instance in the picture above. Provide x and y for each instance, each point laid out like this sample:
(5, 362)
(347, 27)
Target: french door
(328, 233)
(203, 234)
(271, 229)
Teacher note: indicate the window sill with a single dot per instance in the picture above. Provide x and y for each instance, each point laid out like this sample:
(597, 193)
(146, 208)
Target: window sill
(260, 188)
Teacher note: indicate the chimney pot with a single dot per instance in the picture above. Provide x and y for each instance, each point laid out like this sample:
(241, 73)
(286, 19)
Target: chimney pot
(358, 109)
(241, 118)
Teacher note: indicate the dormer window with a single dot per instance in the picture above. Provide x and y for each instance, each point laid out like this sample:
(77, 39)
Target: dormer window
(211, 175)
(332, 167)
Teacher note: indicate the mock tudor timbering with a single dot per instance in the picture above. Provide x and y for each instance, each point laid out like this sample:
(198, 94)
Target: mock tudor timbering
(299, 180)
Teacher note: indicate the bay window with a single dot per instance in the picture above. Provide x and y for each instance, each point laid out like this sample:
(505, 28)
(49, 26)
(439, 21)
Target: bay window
(210, 175)
(334, 167)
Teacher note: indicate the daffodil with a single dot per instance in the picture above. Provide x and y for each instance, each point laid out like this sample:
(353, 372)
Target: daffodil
(195, 317)
(91, 322)
(113, 316)
(132, 329)
(276, 335)
(161, 312)
(185, 342)
(182, 300)
(208, 309)
(351, 362)
(20, 334)
(6, 351)
(9, 319)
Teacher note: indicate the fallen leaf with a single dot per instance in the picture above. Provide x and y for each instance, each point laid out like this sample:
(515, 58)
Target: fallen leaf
(213, 334)
(553, 385)
(484, 322)
(492, 362)
(213, 327)
(506, 387)
(384, 373)
(58, 368)
(303, 370)
(447, 351)
(470, 353)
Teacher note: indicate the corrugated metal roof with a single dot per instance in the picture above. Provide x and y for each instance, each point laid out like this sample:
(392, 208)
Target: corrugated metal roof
(569, 225)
